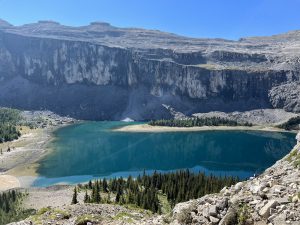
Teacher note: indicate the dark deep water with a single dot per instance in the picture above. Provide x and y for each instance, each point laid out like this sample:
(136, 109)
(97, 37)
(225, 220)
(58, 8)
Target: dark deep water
(89, 150)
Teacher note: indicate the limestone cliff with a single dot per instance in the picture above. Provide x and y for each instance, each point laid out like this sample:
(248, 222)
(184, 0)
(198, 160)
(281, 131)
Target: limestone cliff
(104, 72)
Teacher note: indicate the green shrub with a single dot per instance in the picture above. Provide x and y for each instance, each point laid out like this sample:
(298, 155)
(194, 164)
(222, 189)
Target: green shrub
(243, 214)
(292, 123)
(185, 217)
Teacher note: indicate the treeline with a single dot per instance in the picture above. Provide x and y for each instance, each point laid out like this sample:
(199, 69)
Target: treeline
(11, 116)
(198, 122)
(144, 190)
(292, 123)
(8, 132)
(10, 210)
(9, 119)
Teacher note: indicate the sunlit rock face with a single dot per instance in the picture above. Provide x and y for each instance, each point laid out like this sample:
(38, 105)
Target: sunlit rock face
(298, 138)
(103, 72)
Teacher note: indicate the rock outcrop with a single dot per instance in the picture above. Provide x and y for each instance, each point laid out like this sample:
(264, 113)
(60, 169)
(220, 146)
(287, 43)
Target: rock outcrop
(286, 96)
(104, 72)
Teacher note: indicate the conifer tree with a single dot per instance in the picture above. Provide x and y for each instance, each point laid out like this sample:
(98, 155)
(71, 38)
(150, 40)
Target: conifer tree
(74, 198)
(105, 185)
(90, 185)
(96, 198)
(86, 197)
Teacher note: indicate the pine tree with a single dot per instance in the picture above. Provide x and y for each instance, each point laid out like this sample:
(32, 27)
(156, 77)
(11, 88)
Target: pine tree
(96, 198)
(105, 185)
(90, 185)
(177, 186)
(86, 197)
(74, 198)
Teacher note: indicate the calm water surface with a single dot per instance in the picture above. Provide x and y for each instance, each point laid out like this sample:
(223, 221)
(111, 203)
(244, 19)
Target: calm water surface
(91, 150)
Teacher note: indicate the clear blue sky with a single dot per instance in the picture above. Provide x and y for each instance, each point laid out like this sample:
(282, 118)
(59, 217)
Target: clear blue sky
(230, 19)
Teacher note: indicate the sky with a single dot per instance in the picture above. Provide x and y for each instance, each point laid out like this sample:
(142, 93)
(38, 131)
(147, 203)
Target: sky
(230, 19)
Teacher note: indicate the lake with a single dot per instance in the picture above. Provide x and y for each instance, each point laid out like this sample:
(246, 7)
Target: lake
(92, 150)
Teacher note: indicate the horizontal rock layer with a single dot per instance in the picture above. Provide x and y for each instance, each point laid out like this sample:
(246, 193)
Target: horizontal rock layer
(103, 72)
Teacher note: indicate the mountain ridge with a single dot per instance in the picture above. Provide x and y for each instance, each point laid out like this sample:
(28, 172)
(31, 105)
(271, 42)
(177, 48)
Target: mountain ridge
(144, 69)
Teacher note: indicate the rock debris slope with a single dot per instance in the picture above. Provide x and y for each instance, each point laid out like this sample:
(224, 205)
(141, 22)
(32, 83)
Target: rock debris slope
(100, 71)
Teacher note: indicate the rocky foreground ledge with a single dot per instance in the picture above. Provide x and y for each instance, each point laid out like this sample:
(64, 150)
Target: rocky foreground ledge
(273, 198)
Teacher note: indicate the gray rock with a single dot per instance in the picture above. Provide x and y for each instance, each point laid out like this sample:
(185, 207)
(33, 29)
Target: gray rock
(238, 186)
(214, 220)
(278, 188)
(230, 218)
(222, 204)
(213, 211)
(286, 96)
(265, 211)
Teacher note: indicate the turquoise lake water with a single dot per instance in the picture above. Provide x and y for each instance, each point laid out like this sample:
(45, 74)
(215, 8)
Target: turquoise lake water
(91, 150)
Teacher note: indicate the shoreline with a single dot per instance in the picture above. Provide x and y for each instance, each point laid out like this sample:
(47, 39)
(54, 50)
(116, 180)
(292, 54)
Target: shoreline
(32, 146)
(146, 128)
(25, 153)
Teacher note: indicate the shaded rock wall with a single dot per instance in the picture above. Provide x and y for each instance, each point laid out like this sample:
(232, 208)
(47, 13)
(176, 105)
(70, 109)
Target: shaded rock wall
(93, 81)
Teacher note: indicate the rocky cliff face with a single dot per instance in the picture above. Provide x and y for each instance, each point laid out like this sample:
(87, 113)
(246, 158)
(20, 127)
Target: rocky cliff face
(103, 72)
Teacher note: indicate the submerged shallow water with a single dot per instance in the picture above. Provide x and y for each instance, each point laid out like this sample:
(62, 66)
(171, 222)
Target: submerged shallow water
(91, 150)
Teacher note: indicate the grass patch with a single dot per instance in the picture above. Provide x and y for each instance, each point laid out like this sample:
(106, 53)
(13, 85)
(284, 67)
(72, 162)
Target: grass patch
(49, 214)
(43, 210)
(294, 157)
(243, 214)
(84, 219)
(126, 217)
(165, 204)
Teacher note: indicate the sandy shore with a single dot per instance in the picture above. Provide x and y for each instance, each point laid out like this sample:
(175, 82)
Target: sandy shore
(25, 152)
(148, 128)
(30, 147)
(8, 182)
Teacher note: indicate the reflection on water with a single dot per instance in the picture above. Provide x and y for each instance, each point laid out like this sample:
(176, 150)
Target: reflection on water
(92, 149)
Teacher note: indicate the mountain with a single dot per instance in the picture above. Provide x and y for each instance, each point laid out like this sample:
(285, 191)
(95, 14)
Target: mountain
(104, 72)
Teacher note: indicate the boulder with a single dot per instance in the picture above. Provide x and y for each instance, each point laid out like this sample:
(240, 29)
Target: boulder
(265, 211)
(238, 186)
(213, 211)
(214, 220)
(222, 204)
(230, 218)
